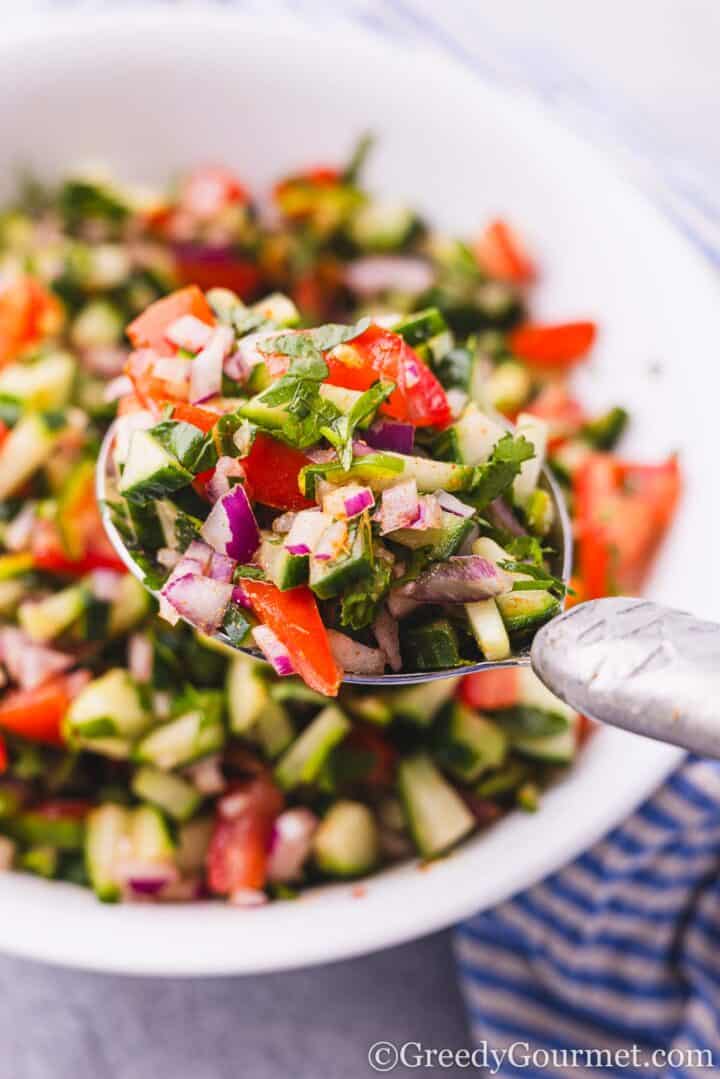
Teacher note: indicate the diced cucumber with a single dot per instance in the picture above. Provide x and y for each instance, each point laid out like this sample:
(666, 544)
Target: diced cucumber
(110, 706)
(444, 541)
(98, 323)
(150, 836)
(477, 435)
(277, 308)
(379, 471)
(273, 729)
(552, 748)
(540, 512)
(370, 708)
(533, 693)
(284, 569)
(436, 814)
(303, 761)
(226, 304)
(507, 388)
(344, 401)
(420, 704)
(523, 611)
(26, 448)
(330, 578)
(13, 565)
(380, 226)
(431, 647)
(603, 433)
(488, 548)
(468, 744)
(437, 475)
(535, 431)
(151, 472)
(505, 779)
(175, 796)
(346, 841)
(129, 607)
(247, 694)
(193, 842)
(43, 861)
(34, 828)
(107, 832)
(421, 326)
(47, 618)
(11, 593)
(488, 629)
(268, 416)
(44, 384)
(181, 741)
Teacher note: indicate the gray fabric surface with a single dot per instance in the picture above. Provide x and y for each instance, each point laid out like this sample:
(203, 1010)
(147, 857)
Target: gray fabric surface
(311, 1024)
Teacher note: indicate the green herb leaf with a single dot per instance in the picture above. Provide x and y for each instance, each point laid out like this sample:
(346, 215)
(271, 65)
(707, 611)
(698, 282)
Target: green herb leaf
(340, 432)
(187, 444)
(495, 477)
(523, 721)
(359, 607)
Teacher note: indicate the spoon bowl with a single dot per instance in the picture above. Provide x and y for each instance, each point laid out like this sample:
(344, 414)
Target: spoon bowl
(559, 539)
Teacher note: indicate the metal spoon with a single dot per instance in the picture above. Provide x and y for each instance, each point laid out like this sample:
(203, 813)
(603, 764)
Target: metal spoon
(626, 662)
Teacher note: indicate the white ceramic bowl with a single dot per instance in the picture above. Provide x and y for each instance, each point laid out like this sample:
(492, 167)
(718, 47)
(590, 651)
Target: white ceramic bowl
(150, 95)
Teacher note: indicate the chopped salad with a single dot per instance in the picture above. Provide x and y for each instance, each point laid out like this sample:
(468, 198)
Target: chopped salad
(342, 498)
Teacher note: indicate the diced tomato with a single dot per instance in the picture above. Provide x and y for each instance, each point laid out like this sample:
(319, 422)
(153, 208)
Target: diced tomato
(202, 418)
(151, 392)
(237, 856)
(487, 690)
(148, 329)
(64, 808)
(28, 313)
(3, 755)
(294, 618)
(622, 512)
(208, 269)
(272, 471)
(501, 254)
(49, 554)
(563, 413)
(37, 714)
(377, 353)
(367, 740)
(208, 190)
(553, 347)
(4, 432)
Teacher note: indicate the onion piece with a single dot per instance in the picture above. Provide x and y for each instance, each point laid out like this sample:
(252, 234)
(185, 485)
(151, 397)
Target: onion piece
(501, 514)
(236, 367)
(429, 514)
(206, 369)
(200, 600)
(332, 542)
(453, 505)
(140, 657)
(274, 650)
(291, 844)
(173, 369)
(231, 528)
(125, 428)
(387, 635)
(117, 387)
(399, 506)
(354, 657)
(167, 557)
(248, 346)
(19, 532)
(461, 579)
(306, 531)
(372, 274)
(28, 663)
(227, 468)
(284, 522)
(207, 775)
(348, 501)
(189, 332)
(247, 897)
(240, 596)
(391, 435)
(221, 567)
(105, 584)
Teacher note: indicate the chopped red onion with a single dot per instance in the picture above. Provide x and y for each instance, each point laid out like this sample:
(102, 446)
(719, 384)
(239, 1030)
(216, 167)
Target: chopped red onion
(146, 878)
(501, 514)
(248, 346)
(221, 567)
(291, 844)
(387, 635)
(284, 522)
(105, 584)
(391, 435)
(200, 600)
(107, 361)
(354, 657)
(207, 775)
(361, 449)
(306, 531)
(399, 506)
(461, 579)
(332, 542)
(167, 557)
(227, 468)
(429, 514)
(274, 650)
(240, 596)
(141, 657)
(236, 367)
(248, 897)
(117, 388)
(348, 501)
(320, 456)
(19, 532)
(388, 273)
(206, 369)
(189, 332)
(453, 505)
(28, 663)
(231, 528)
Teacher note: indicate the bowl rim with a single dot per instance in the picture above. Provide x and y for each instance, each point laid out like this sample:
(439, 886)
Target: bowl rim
(133, 939)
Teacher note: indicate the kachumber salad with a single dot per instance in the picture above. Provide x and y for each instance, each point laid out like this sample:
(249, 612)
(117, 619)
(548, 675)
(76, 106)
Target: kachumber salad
(310, 459)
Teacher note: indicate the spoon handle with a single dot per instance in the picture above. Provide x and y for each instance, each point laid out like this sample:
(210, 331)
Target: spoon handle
(639, 666)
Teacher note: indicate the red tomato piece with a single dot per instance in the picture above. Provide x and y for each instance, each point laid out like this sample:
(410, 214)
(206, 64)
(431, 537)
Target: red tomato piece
(365, 739)
(202, 418)
(294, 618)
(148, 329)
(207, 269)
(563, 413)
(556, 347)
(622, 513)
(207, 191)
(49, 554)
(487, 690)
(28, 313)
(37, 714)
(272, 470)
(237, 856)
(501, 254)
(3, 755)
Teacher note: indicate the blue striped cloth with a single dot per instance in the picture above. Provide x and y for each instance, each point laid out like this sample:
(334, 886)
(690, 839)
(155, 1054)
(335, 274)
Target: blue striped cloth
(621, 947)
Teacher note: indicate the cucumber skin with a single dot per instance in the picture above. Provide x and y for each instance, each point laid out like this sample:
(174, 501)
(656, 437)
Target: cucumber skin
(420, 770)
(540, 608)
(431, 647)
(332, 578)
(346, 842)
(304, 758)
